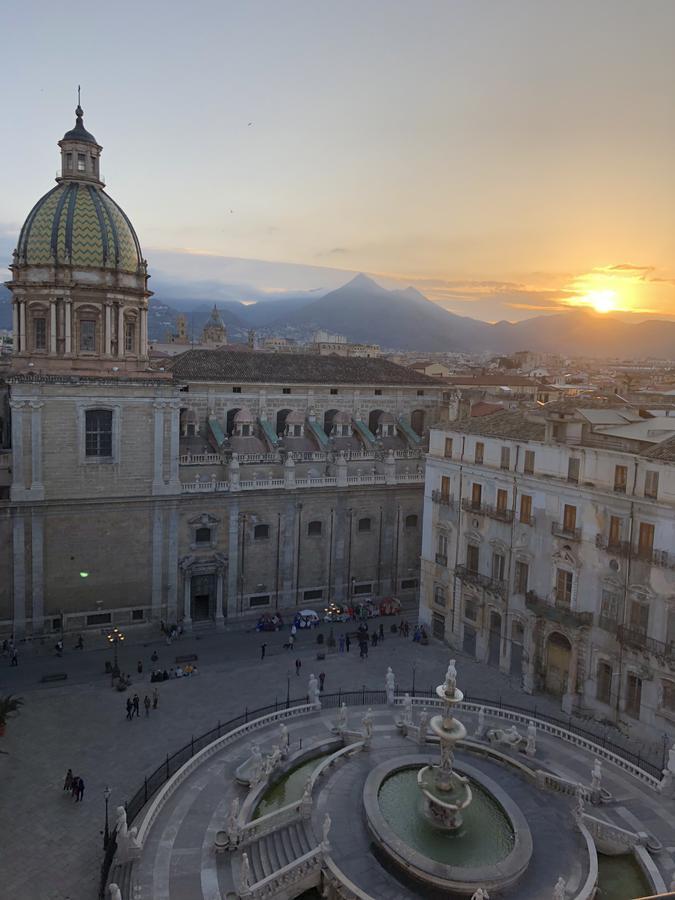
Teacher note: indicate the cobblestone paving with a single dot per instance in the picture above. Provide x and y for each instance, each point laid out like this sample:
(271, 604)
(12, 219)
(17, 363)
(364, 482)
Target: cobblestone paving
(51, 847)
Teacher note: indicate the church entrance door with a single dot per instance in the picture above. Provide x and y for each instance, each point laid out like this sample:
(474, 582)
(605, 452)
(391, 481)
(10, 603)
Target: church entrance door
(203, 596)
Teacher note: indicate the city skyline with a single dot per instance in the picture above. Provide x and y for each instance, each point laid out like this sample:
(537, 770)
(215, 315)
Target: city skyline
(506, 163)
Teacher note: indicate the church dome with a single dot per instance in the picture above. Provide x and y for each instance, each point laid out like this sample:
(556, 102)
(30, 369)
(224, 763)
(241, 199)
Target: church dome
(78, 224)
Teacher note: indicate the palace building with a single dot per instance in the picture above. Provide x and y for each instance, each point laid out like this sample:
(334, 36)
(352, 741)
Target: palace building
(213, 485)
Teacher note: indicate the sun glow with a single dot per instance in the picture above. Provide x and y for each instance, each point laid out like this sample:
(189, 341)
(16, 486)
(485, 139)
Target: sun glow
(601, 301)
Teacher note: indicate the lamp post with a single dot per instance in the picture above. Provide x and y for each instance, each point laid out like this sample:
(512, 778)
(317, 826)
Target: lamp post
(106, 833)
(115, 637)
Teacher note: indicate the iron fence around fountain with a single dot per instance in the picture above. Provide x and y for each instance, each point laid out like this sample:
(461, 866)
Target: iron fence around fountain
(363, 697)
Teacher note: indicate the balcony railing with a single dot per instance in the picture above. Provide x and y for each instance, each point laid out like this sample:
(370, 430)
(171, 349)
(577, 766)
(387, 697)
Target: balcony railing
(493, 585)
(441, 559)
(638, 640)
(527, 520)
(614, 548)
(558, 611)
(660, 558)
(486, 509)
(559, 529)
(442, 499)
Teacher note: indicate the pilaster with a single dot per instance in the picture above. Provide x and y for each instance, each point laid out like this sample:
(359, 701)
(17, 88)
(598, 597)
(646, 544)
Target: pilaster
(37, 571)
(19, 554)
(172, 567)
(157, 580)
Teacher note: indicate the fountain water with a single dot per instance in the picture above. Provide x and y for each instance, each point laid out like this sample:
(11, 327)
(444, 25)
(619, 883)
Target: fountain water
(446, 793)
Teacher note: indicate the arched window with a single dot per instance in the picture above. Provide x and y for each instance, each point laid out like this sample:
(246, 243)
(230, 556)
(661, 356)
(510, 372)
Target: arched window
(364, 524)
(98, 432)
(203, 536)
(261, 532)
(411, 521)
(314, 528)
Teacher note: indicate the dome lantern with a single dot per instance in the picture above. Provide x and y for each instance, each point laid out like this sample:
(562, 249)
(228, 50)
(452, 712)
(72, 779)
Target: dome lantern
(80, 152)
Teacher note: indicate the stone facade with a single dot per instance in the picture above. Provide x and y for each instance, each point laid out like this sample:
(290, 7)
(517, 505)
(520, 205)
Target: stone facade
(550, 555)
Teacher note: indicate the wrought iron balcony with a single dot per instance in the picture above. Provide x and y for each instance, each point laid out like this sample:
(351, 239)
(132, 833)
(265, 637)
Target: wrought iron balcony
(486, 509)
(559, 529)
(637, 639)
(442, 499)
(558, 611)
(660, 558)
(441, 559)
(614, 548)
(469, 576)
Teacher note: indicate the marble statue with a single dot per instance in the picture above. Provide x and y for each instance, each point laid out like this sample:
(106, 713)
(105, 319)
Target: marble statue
(480, 894)
(390, 682)
(341, 723)
(307, 791)
(447, 756)
(232, 826)
(273, 759)
(313, 690)
(559, 892)
(596, 776)
(367, 722)
(480, 730)
(451, 678)
(245, 872)
(407, 710)
(510, 738)
(284, 740)
(257, 764)
(579, 793)
(326, 828)
(531, 743)
(121, 823)
(423, 726)
(114, 891)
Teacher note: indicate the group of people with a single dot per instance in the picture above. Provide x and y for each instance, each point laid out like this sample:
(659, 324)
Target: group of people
(174, 672)
(171, 632)
(134, 704)
(75, 785)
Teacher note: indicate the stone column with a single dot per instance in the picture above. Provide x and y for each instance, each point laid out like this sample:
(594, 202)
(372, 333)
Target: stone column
(174, 448)
(52, 328)
(220, 617)
(18, 482)
(143, 351)
(158, 472)
(19, 552)
(157, 541)
(22, 326)
(172, 567)
(120, 330)
(15, 323)
(108, 329)
(68, 322)
(187, 595)
(37, 556)
(233, 568)
(36, 487)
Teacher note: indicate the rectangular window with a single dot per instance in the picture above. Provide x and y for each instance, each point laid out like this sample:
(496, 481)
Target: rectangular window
(316, 594)
(476, 495)
(668, 691)
(610, 610)
(439, 595)
(420, 393)
(363, 588)
(81, 162)
(470, 610)
(448, 448)
(98, 432)
(479, 453)
(569, 518)
(130, 337)
(522, 575)
(646, 540)
(333, 391)
(236, 390)
(505, 461)
(40, 334)
(498, 563)
(620, 479)
(259, 600)
(525, 508)
(285, 390)
(445, 487)
(528, 464)
(573, 468)
(563, 587)
(69, 162)
(502, 500)
(408, 584)
(652, 484)
(614, 538)
(88, 335)
(442, 545)
(99, 619)
(639, 616)
(137, 615)
(378, 392)
(472, 557)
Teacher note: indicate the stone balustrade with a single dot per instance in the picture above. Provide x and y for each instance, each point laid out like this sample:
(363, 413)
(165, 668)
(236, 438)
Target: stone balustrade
(290, 881)
(273, 821)
(323, 481)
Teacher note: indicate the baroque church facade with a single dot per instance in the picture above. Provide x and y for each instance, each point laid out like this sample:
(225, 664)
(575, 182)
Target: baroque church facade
(215, 485)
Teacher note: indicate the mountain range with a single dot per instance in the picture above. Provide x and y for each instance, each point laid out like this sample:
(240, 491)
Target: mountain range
(405, 319)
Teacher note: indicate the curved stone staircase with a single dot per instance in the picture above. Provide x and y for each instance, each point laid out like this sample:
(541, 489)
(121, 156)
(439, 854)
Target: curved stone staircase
(272, 852)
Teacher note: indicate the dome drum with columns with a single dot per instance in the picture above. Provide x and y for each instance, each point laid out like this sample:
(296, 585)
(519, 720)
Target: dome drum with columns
(79, 280)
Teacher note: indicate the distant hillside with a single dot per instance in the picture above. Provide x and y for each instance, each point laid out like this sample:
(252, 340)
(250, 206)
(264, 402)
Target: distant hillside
(5, 307)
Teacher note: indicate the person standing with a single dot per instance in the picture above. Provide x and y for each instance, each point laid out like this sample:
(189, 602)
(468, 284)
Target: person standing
(341, 644)
(136, 702)
(381, 631)
(298, 664)
(146, 704)
(80, 791)
(15, 657)
(68, 783)
(263, 648)
(155, 698)
(130, 709)
(322, 678)
(74, 786)
(347, 643)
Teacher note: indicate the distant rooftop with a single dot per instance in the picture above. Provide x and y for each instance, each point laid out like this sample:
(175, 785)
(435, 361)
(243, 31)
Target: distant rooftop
(507, 424)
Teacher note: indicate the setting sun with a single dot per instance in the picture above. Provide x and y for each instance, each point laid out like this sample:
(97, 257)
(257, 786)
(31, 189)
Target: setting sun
(601, 301)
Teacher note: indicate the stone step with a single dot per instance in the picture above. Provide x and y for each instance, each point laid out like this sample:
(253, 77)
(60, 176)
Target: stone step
(304, 837)
(264, 857)
(287, 846)
(295, 841)
(253, 850)
(279, 853)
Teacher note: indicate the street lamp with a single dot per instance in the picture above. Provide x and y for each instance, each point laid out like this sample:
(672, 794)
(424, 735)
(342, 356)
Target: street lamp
(115, 637)
(106, 834)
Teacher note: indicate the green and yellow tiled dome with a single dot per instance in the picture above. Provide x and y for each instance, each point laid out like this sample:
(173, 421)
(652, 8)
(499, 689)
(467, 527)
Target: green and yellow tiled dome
(77, 224)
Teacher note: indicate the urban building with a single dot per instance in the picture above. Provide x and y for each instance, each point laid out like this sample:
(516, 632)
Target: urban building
(212, 486)
(549, 551)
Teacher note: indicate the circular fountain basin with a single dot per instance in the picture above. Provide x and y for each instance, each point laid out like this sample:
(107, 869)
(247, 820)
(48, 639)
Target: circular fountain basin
(491, 849)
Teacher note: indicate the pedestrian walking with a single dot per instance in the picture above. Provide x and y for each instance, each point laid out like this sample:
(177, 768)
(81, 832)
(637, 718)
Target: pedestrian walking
(298, 665)
(80, 791)
(155, 656)
(322, 678)
(15, 657)
(341, 644)
(147, 702)
(263, 647)
(74, 785)
(291, 641)
(137, 703)
(294, 629)
(130, 709)
(381, 631)
(347, 643)
(80, 643)
(139, 667)
(68, 783)
(155, 698)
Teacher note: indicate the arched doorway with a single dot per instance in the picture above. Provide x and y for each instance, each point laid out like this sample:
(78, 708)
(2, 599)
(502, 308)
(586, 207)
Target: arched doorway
(558, 661)
(229, 425)
(494, 639)
(281, 421)
(417, 421)
(373, 419)
(328, 417)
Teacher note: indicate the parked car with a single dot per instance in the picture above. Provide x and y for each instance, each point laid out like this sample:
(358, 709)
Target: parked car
(307, 618)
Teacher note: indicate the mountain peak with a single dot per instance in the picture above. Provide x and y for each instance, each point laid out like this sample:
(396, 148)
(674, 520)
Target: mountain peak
(362, 281)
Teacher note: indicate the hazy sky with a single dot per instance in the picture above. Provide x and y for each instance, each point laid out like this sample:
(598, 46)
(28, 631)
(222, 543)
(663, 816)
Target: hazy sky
(503, 156)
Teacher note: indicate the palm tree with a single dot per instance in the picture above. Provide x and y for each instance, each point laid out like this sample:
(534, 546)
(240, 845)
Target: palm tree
(9, 705)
